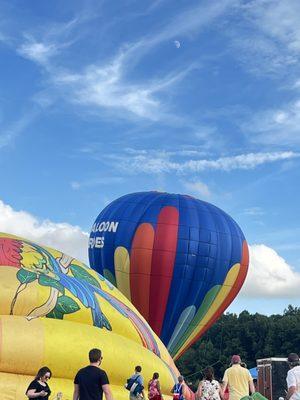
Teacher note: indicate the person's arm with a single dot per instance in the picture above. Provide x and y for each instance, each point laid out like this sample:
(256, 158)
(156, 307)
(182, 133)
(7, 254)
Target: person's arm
(291, 391)
(224, 382)
(185, 390)
(76, 392)
(291, 384)
(220, 391)
(33, 391)
(158, 387)
(140, 380)
(199, 390)
(251, 387)
(107, 392)
(32, 394)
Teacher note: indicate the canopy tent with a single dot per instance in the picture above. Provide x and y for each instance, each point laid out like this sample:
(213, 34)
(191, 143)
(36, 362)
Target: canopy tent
(254, 372)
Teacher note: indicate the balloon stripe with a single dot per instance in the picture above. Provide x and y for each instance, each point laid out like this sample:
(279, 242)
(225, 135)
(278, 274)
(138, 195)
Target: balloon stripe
(164, 253)
(184, 320)
(218, 306)
(140, 270)
(207, 302)
(122, 270)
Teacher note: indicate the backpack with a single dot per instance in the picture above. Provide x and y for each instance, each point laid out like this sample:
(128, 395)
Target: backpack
(133, 386)
(130, 383)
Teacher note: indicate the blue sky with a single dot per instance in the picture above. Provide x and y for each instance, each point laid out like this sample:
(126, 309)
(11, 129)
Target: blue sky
(101, 98)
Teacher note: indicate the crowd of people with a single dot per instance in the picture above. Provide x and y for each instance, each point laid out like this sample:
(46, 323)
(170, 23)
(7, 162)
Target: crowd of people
(91, 382)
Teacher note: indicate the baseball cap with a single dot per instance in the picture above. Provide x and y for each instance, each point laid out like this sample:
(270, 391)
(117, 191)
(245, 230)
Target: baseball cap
(235, 359)
(293, 357)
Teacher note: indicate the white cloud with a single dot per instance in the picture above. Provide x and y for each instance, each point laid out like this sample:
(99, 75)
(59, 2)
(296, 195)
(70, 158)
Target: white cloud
(270, 275)
(277, 126)
(274, 46)
(62, 236)
(97, 181)
(106, 87)
(192, 20)
(254, 211)
(38, 52)
(279, 20)
(268, 38)
(197, 188)
(150, 164)
(297, 84)
(103, 86)
(51, 40)
(10, 132)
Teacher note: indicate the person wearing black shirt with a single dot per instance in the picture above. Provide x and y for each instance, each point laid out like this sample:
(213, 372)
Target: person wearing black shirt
(91, 382)
(38, 388)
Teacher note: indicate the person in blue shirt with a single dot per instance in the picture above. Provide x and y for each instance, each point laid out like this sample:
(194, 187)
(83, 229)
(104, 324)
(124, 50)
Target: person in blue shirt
(137, 390)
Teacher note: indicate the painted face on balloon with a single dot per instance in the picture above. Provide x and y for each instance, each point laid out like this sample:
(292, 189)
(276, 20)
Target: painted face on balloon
(181, 261)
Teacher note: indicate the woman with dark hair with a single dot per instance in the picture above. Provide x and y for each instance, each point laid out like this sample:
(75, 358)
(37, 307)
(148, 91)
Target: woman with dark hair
(154, 392)
(209, 388)
(38, 388)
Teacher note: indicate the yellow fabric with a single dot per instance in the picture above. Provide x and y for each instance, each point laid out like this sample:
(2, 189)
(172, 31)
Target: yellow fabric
(122, 269)
(238, 379)
(30, 339)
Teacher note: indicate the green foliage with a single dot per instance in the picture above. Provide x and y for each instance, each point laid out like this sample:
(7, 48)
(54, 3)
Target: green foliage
(25, 276)
(46, 280)
(64, 305)
(253, 336)
(81, 273)
(55, 314)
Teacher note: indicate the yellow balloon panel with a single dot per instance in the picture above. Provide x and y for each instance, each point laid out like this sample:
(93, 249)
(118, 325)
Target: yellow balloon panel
(54, 309)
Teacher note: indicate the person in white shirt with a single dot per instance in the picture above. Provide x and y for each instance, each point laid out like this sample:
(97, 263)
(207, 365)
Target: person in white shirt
(293, 377)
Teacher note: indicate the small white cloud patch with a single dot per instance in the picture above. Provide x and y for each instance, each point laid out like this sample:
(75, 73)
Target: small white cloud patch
(270, 276)
(62, 236)
(199, 189)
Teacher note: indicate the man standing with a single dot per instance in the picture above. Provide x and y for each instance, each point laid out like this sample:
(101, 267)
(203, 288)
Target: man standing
(91, 382)
(293, 377)
(137, 390)
(238, 379)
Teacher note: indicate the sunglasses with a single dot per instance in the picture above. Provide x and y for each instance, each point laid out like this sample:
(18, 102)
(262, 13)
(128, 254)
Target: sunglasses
(47, 376)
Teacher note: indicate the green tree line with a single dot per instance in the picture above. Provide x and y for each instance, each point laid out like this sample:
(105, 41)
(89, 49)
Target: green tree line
(252, 336)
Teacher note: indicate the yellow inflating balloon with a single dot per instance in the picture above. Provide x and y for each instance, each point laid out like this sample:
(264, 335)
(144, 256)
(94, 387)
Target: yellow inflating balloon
(54, 309)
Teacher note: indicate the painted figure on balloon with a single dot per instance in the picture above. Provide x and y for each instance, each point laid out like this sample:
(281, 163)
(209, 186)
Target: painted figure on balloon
(61, 275)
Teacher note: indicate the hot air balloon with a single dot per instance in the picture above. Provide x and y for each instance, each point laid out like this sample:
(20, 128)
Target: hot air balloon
(54, 309)
(180, 260)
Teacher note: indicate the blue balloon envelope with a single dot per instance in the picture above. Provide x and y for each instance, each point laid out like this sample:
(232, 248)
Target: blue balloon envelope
(180, 260)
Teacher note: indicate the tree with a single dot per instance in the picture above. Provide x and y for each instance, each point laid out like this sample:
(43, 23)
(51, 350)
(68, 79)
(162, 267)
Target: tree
(252, 336)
